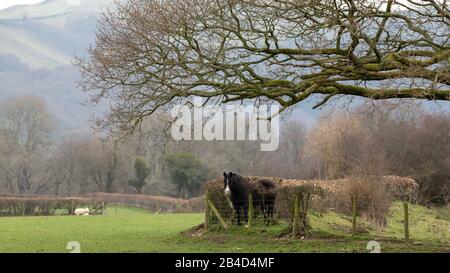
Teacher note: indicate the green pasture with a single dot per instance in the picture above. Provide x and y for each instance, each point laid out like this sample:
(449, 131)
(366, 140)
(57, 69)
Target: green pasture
(137, 230)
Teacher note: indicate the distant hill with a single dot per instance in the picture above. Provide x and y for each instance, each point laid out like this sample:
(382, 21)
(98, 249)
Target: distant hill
(48, 34)
(37, 46)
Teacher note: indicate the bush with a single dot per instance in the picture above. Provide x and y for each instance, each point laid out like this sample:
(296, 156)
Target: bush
(374, 195)
(372, 198)
(150, 202)
(42, 205)
(34, 205)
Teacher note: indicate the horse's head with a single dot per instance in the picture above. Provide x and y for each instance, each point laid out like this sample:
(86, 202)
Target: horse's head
(230, 182)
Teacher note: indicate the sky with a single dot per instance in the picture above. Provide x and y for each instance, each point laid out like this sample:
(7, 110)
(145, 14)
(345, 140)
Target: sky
(9, 3)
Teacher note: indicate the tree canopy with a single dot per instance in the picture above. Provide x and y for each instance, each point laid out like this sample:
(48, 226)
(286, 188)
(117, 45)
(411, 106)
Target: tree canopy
(186, 172)
(149, 54)
(142, 171)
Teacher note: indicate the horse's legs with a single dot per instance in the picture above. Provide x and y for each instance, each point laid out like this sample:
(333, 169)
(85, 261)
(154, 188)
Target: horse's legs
(238, 215)
(265, 211)
(270, 211)
(245, 208)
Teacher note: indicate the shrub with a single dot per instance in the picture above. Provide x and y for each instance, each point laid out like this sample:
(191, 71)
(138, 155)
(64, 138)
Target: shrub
(34, 205)
(374, 195)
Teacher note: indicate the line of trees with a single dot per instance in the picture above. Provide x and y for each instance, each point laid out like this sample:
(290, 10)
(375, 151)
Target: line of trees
(403, 141)
(378, 140)
(32, 161)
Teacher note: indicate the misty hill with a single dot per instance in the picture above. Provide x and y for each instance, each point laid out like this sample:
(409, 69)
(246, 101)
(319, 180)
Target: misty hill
(48, 34)
(37, 47)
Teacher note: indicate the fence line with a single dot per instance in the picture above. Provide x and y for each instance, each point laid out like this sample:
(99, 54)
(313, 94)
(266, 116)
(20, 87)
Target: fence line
(297, 226)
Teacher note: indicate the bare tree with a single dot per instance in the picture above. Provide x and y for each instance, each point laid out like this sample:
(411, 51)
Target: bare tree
(405, 141)
(291, 159)
(149, 54)
(337, 142)
(65, 167)
(97, 163)
(25, 126)
(6, 171)
(86, 164)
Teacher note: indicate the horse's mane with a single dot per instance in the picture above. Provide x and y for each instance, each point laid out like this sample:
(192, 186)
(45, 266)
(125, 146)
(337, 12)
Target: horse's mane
(241, 178)
(244, 183)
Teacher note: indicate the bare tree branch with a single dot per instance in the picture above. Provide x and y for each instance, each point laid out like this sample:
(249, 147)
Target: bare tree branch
(150, 54)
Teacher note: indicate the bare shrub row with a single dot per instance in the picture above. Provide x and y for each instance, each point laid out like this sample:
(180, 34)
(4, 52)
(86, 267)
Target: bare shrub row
(151, 202)
(43, 205)
(34, 205)
(373, 194)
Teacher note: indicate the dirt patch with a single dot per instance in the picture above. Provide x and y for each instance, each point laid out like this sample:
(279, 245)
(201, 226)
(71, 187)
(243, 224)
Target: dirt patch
(194, 231)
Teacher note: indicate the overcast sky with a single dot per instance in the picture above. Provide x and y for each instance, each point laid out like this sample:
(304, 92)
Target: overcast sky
(9, 3)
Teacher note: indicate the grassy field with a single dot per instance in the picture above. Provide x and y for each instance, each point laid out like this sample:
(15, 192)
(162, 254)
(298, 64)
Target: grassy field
(135, 230)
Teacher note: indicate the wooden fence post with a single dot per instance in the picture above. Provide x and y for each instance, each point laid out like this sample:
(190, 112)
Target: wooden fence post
(207, 211)
(233, 211)
(217, 214)
(354, 223)
(296, 216)
(250, 210)
(406, 220)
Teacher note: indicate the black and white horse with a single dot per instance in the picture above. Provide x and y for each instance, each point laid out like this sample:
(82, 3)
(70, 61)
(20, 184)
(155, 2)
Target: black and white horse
(238, 189)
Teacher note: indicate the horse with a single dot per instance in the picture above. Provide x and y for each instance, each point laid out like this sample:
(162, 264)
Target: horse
(238, 189)
(264, 198)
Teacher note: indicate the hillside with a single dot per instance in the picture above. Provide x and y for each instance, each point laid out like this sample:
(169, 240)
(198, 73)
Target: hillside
(47, 35)
(37, 48)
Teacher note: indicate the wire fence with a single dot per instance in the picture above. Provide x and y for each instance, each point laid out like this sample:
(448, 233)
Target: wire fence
(225, 213)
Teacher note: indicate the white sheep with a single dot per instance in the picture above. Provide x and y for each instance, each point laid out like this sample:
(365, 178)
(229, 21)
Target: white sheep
(82, 212)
